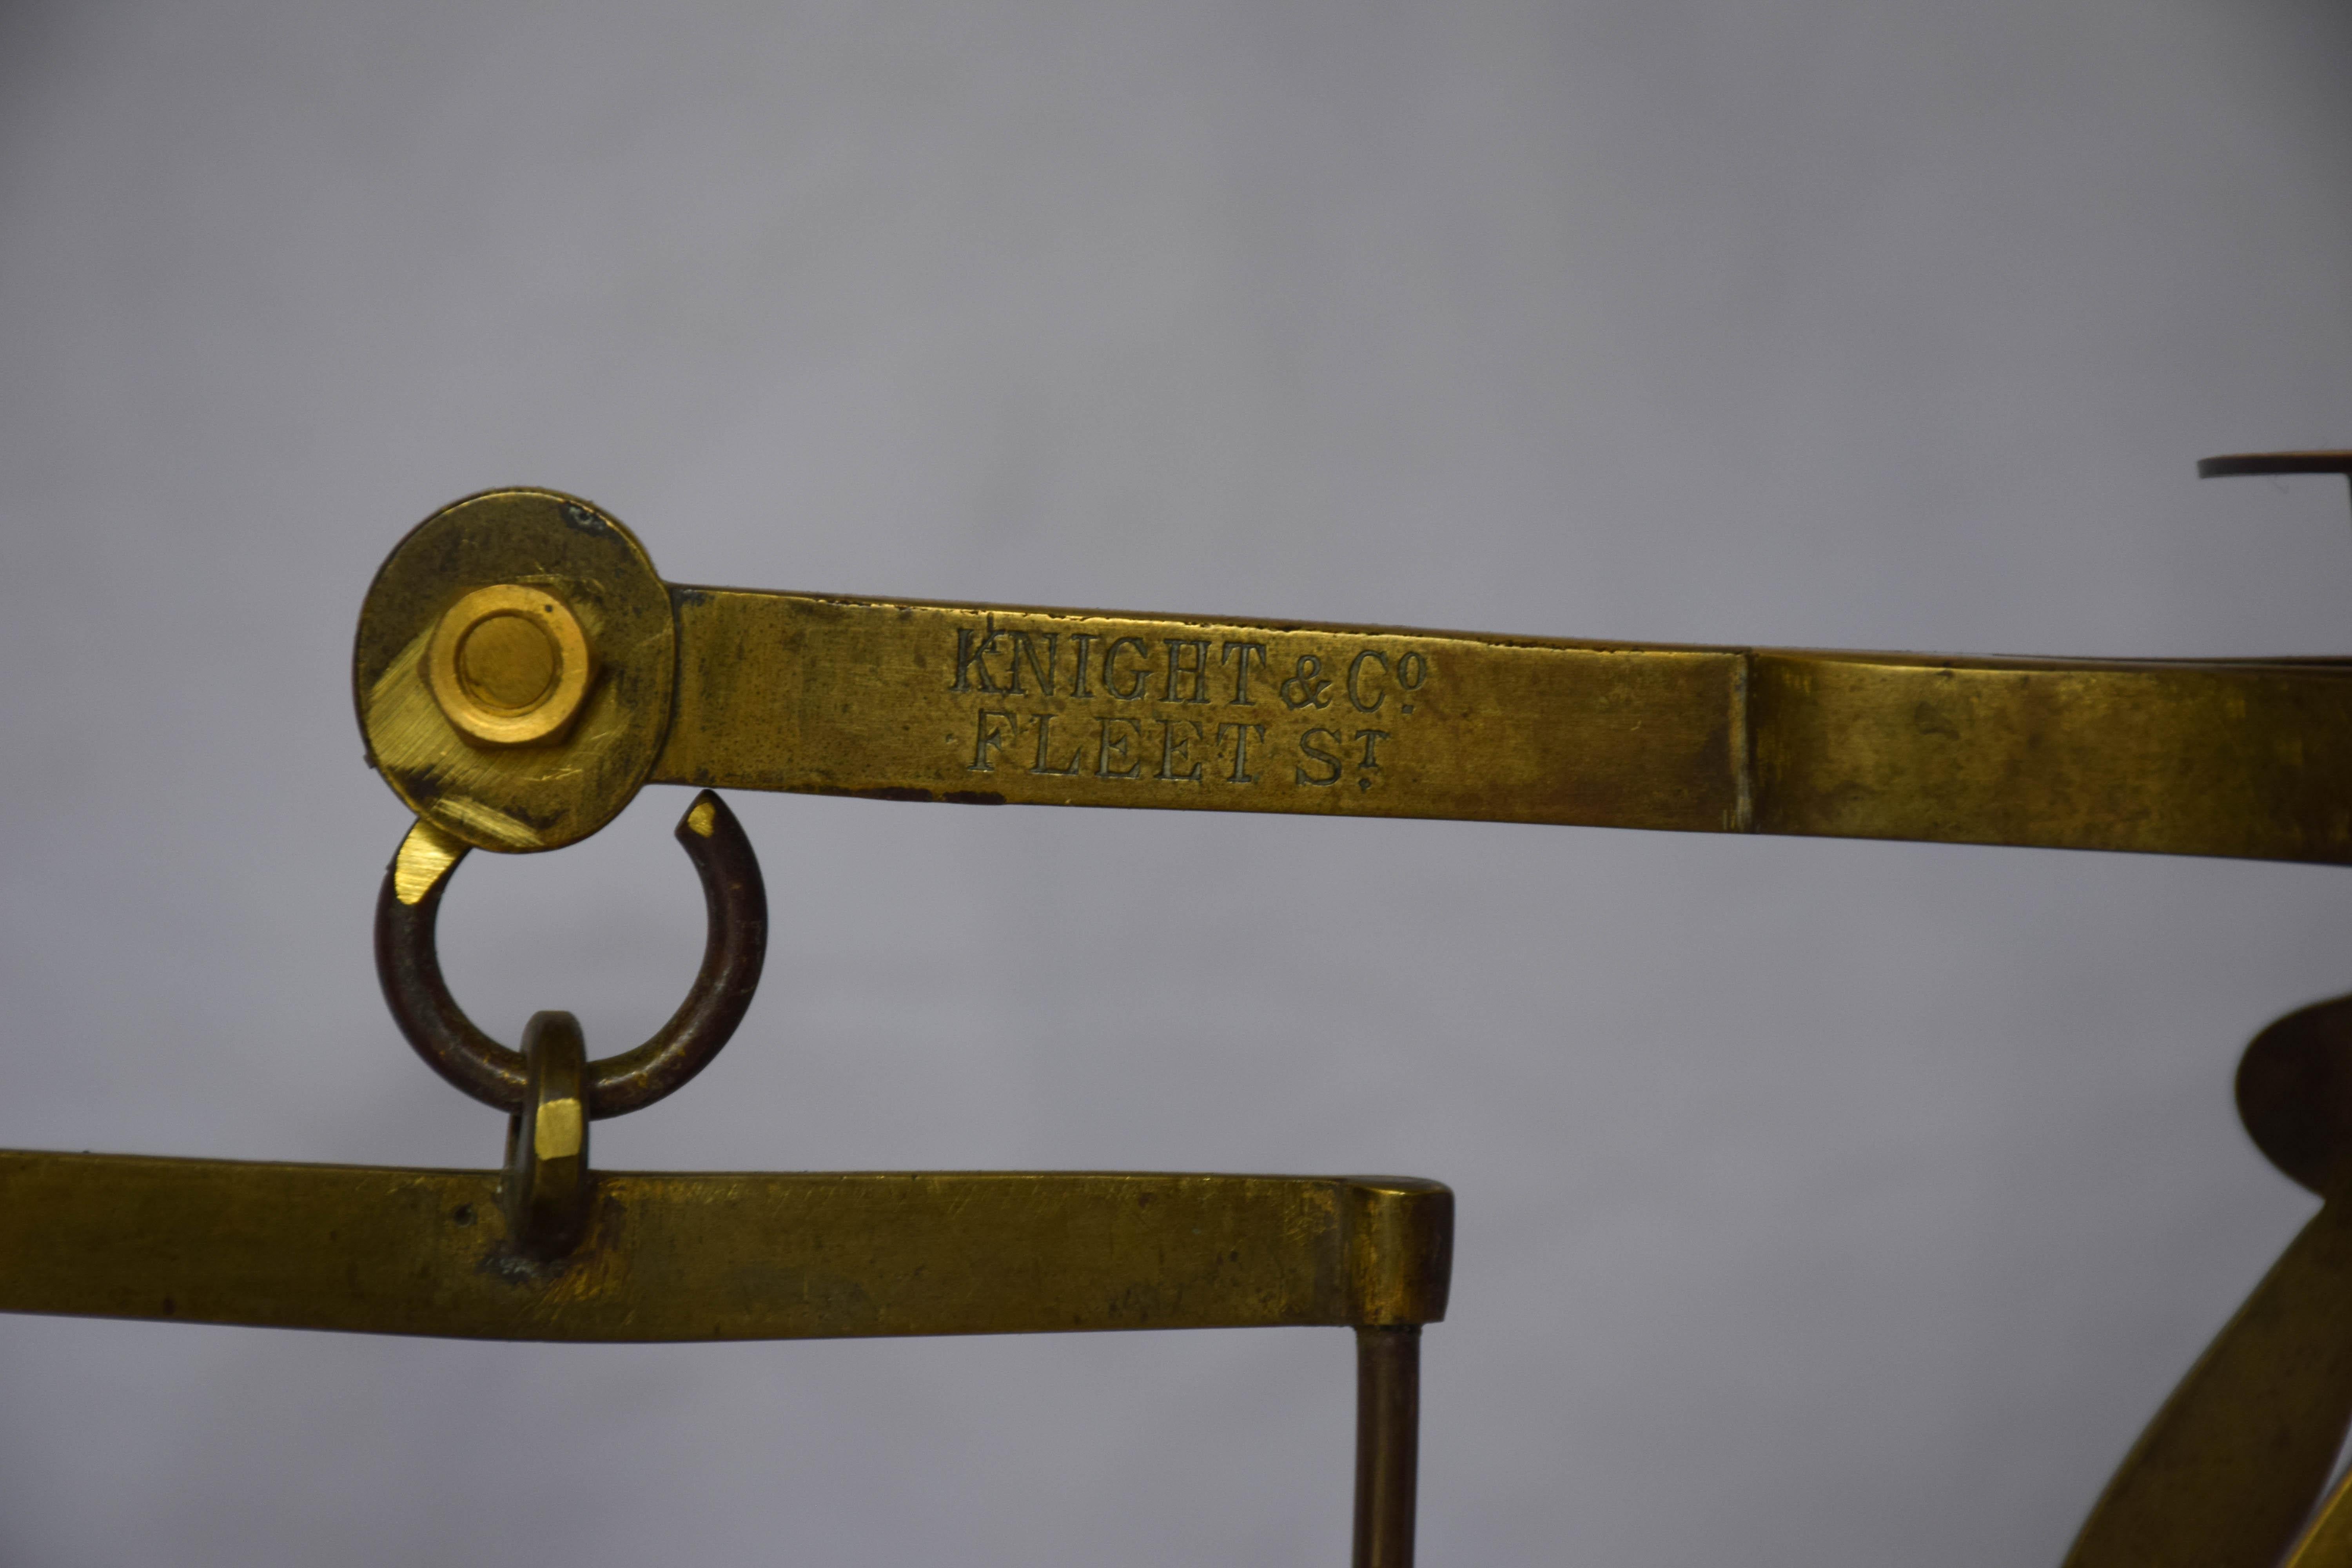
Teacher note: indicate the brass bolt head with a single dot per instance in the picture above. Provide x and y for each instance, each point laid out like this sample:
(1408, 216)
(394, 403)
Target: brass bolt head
(510, 665)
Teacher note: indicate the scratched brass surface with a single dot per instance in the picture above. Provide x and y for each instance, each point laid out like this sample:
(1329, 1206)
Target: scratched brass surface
(1001, 704)
(717, 1256)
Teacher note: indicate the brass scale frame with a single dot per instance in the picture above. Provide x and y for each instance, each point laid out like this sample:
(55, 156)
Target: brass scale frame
(522, 671)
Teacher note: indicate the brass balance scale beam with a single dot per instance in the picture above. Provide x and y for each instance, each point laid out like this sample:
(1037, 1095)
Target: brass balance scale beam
(713, 1255)
(994, 704)
(548, 1248)
(522, 671)
(718, 1256)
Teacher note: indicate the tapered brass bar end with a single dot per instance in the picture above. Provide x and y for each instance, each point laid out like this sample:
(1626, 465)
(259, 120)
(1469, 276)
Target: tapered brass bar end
(1399, 1242)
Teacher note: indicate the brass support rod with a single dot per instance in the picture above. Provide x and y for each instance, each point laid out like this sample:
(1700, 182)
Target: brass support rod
(1387, 1443)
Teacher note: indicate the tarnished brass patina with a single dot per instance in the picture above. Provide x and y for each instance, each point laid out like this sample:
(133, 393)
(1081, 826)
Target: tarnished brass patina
(549, 1249)
(522, 671)
(718, 1256)
(1001, 704)
(546, 1251)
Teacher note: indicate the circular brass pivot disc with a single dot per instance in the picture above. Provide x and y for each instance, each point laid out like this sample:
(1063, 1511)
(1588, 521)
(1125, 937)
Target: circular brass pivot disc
(513, 670)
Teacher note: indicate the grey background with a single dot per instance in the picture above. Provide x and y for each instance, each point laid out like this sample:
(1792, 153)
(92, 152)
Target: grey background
(1821, 1202)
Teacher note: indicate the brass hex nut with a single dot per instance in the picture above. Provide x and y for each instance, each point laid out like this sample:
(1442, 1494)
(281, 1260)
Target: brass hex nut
(510, 664)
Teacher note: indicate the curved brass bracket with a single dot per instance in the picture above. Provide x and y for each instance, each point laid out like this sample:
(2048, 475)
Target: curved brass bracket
(2226, 1471)
(409, 967)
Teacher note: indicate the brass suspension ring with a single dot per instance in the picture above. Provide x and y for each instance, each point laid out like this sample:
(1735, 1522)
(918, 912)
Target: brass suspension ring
(409, 967)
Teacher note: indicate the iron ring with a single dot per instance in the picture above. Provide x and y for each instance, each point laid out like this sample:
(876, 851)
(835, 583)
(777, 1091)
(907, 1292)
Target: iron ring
(409, 967)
